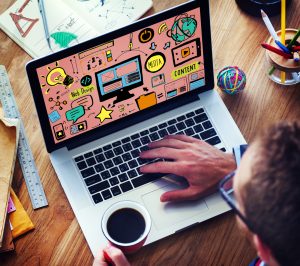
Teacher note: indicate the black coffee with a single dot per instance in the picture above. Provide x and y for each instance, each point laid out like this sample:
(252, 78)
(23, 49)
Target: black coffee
(126, 225)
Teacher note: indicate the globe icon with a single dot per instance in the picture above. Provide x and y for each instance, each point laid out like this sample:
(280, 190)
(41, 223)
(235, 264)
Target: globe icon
(183, 28)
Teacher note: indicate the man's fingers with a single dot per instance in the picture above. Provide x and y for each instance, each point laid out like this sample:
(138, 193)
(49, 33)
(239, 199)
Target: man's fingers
(167, 153)
(179, 195)
(168, 142)
(116, 256)
(161, 167)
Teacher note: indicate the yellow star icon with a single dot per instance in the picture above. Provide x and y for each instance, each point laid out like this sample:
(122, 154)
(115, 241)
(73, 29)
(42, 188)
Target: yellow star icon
(104, 114)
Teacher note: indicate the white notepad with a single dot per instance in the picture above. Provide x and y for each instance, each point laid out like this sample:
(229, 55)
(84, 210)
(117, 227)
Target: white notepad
(69, 21)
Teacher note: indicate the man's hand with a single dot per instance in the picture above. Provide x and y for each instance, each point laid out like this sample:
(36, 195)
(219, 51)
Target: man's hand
(201, 164)
(116, 257)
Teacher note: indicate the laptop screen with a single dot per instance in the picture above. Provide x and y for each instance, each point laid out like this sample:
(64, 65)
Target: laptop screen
(122, 76)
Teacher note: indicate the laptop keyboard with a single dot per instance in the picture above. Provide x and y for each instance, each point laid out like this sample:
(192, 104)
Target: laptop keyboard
(113, 169)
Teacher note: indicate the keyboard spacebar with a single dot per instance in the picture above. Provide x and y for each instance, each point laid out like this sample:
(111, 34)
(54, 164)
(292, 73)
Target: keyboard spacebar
(146, 178)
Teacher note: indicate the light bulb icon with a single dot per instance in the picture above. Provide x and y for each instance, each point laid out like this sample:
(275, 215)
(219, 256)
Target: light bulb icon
(58, 76)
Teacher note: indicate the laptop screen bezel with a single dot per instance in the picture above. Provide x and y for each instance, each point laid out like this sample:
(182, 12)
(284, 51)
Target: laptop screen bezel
(136, 117)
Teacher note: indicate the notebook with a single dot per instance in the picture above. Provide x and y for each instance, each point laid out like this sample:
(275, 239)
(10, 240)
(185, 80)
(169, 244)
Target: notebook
(69, 22)
(101, 102)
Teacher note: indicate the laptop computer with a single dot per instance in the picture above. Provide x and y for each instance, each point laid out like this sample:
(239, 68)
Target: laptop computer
(102, 101)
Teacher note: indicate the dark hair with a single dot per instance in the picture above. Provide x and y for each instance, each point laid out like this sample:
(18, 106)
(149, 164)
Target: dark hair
(272, 197)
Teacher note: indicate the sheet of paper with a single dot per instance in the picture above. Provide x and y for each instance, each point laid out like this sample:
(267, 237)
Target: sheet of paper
(113, 14)
(24, 24)
(9, 134)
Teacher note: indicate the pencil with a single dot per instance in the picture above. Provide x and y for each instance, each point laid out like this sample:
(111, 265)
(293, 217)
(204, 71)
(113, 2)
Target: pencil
(269, 25)
(276, 51)
(296, 57)
(283, 19)
(44, 18)
(295, 48)
(292, 42)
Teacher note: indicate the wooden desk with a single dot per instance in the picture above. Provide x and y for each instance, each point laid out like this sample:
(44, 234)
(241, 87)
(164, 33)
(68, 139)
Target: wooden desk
(58, 240)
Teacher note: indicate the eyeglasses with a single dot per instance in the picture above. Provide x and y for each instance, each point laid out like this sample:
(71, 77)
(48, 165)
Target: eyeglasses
(227, 192)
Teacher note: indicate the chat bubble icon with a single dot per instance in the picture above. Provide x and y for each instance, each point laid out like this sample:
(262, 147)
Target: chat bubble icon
(75, 113)
(85, 101)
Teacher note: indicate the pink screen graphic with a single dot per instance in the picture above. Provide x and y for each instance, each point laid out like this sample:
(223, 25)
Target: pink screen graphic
(123, 76)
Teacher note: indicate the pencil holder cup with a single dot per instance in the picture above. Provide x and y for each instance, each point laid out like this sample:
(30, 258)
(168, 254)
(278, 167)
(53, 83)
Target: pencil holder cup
(279, 69)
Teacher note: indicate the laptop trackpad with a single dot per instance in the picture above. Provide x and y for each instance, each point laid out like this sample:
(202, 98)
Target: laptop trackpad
(167, 214)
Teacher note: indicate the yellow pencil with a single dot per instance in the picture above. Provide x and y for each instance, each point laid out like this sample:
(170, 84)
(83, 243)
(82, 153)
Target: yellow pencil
(282, 38)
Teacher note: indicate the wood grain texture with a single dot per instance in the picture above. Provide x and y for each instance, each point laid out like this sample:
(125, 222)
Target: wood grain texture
(58, 240)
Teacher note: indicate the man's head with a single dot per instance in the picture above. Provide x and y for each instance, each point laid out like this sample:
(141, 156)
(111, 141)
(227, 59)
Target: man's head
(267, 188)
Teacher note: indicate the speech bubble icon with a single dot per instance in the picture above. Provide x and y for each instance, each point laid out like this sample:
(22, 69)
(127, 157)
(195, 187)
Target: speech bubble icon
(75, 113)
(85, 101)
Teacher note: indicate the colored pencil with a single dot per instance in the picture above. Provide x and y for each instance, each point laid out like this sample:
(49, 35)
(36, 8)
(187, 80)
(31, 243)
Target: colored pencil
(282, 47)
(292, 42)
(295, 48)
(269, 25)
(296, 57)
(276, 51)
(283, 22)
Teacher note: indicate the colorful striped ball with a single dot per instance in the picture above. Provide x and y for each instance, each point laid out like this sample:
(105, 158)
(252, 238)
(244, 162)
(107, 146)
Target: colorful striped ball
(231, 80)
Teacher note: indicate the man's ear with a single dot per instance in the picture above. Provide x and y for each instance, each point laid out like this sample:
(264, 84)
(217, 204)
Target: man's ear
(263, 251)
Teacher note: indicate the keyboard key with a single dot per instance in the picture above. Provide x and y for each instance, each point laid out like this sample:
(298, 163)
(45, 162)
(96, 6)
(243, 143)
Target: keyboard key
(189, 132)
(189, 122)
(180, 126)
(123, 177)
(153, 129)
(144, 148)
(145, 140)
(106, 194)
(124, 167)
(135, 153)
(198, 128)
(108, 164)
(223, 149)
(197, 136)
(199, 111)
(88, 172)
(126, 157)
(114, 181)
(181, 118)
(190, 114)
(118, 150)
(135, 136)
(78, 158)
(172, 129)
(144, 132)
(107, 147)
(81, 165)
(99, 187)
(132, 173)
(109, 154)
(132, 164)
(99, 167)
(200, 118)
(213, 141)
(127, 147)
(207, 124)
(117, 160)
(91, 161)
(88, 154)
(136, 143)
(92, 180)
(208, 134)
(97, 151)
(116, 143)
(125, 140)
(100, 158)
(114, 171)
(162, 125)
(172, 122)
(105, 174)
(143, 161)
(115, 191)
(154, 136)
(97, 198)
(126, 186)
(144, 179)
(162, 133)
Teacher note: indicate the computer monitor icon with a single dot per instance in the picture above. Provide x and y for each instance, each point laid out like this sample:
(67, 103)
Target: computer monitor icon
(119, 79)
